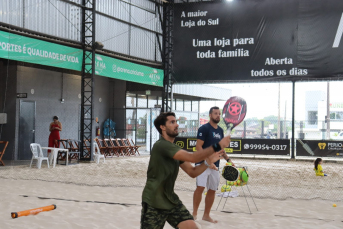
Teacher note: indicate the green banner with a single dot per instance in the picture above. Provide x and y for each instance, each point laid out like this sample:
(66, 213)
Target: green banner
(124, 70)
(21, 48)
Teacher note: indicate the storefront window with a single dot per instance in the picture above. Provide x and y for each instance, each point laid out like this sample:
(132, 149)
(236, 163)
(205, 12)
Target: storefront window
(336, 115)
(179, 105)
(194, 116)
(130, 100)
(142, 101)
(332, 115)
(339, 115)
(188, 123)
(312, 117)
(195, 106)
(152, 101)
(159, 101)
(188, 105)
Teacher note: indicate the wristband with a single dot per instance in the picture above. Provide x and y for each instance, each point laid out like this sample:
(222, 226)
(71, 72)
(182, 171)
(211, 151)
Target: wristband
(228, 160)
(216, 147)
(205, 162)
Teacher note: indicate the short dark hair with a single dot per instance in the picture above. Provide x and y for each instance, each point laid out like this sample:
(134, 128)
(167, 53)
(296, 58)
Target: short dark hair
(55, 117)
(162, 119)
(213, 108)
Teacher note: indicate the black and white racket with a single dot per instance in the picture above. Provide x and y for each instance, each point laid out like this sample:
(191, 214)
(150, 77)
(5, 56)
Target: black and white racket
(230, 173)
(234, 112)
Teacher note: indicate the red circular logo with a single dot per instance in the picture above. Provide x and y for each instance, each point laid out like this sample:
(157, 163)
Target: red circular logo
(235, 108)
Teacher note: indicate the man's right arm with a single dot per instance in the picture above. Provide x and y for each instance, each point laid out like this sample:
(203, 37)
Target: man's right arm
(201, 136)
(183, 155)
(201, 154)
(198, 147)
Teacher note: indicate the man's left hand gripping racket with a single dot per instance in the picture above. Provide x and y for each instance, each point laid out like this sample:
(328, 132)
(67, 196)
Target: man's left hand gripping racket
(234, 112)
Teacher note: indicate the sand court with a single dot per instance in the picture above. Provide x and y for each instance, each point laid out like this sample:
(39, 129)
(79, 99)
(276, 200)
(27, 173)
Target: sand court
(109, 196)
(81, 207)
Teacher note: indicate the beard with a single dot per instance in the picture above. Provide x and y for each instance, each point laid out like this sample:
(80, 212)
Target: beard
(172, 134)
(215, 120)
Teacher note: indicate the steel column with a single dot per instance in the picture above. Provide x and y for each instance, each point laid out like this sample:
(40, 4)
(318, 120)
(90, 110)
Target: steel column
(293, 117)
(88, 72)
(168, 21)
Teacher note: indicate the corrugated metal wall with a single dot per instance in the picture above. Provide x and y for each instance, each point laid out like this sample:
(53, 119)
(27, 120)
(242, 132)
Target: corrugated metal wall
(130, 27)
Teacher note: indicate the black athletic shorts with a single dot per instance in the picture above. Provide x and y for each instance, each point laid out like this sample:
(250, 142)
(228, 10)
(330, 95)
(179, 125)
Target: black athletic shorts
(153, 218)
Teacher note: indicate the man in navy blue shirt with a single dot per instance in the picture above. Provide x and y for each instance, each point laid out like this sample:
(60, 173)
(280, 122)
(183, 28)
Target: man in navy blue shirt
(208, 134)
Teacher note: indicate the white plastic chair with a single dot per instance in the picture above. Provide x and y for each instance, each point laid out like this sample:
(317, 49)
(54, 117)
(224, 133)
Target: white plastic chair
(37, 154)
(96, 153)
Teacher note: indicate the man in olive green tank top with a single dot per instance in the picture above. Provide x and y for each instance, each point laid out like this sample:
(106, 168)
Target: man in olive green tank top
(159, 201)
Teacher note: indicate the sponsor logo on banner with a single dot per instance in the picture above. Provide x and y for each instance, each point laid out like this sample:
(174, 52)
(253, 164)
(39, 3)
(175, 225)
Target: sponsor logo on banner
(180, 143)
(245, 146)
(191, 143)
(118, 69)
(321, 145)
(98, 57)
(335, 146)
(99, 65)
(235, 145)
(154, 76)
(320, 148)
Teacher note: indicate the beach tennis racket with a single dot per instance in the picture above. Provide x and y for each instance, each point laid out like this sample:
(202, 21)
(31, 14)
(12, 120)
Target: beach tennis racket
(230, 173)
(234, 112)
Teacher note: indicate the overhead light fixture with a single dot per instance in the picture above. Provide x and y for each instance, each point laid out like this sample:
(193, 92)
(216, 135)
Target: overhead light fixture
(229, 0)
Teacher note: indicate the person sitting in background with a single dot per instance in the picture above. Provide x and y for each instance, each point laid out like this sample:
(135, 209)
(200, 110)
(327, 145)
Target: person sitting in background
(318, 167)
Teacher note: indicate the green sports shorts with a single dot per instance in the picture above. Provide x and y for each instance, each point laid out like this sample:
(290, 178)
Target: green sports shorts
(153, 218)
